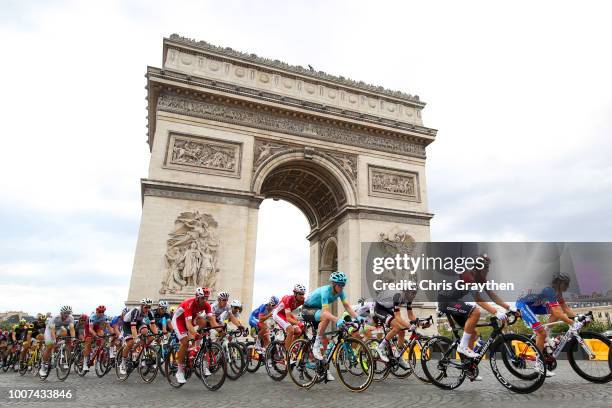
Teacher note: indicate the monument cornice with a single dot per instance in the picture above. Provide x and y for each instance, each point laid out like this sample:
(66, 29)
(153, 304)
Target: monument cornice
(171, 189)
(216, 109)
(205, 48)
(169, 77)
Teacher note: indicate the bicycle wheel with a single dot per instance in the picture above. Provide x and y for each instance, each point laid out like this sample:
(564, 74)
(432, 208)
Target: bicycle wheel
(523, 362)
(362, 359)
(36, 361)
(401, 367)
(253, 358)
(25, 363)
(148, 365)
(302, 366)
(63, 363)
(102, 364)
(381, 369)
(276, 360)
(591, 358)
(78, 363)
(6, 358)
(213, 359)
(170, 369)
(235, 361)
(441, 363)
(120, 376)
(414, 358)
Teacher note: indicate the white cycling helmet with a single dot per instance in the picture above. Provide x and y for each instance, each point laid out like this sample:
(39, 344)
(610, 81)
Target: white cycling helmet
(163, 303)
(146, 302)
(66, 309)
(223, 296)
(299, 288)
(235, 303)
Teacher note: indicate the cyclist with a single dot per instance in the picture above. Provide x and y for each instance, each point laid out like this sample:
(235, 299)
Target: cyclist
(19, 335)
(36, 333)
(223, 311)
(185, 329)
(387, 310)
(163, 320)
(317, 304)
(115, 326)
(94, 327)
(547, 301)
(4, 337)
(466, 315)
(257, 321)
(285, 319)
(60, 325)
(138, 320)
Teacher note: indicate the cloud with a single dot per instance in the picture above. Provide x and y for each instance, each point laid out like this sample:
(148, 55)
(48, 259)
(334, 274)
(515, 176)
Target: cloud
(522, 101)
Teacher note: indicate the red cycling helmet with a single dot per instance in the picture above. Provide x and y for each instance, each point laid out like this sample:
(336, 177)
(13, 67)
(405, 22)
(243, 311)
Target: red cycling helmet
(101, 309)
(202, 292)
(83, 317)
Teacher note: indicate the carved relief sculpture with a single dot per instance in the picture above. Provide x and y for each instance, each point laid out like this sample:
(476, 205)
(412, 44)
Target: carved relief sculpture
(191, 255)
(391, 183)
(265, 149)
(203, 155)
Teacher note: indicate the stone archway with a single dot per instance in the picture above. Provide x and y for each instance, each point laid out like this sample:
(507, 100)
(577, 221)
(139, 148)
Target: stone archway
(227, 130)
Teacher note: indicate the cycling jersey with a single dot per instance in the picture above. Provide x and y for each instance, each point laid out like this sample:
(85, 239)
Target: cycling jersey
(20, 332)
(57, 322)
(161, 320)
(455, 294)
(97, 320)
(532, 303)
(218, 311)
(262, 310)
(38, 328)
(187, 310)
(323, 296)
(287, 304)
(136, 317)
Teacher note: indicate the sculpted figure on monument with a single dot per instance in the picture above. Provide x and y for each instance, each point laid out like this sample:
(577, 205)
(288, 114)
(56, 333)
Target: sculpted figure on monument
(203, 155)
(191, 256)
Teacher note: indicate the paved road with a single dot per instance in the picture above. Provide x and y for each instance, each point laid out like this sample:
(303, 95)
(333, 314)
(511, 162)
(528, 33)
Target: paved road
(257, 390)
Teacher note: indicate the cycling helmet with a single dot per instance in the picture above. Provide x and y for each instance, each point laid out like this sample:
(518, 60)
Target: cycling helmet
(562, 278)
(361, 300)
(273, 301)
(223, 296)
(146, 302)
(22, 322)
(338, 277)
(202, 292)
(299, 288)
(163, 303)
(66, 309)
(83, 317)
(173, 309)
(235, 303)
(41, 317)
(101, 309)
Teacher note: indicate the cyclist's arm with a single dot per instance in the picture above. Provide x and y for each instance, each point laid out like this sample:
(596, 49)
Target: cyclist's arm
(495, 297)
(290, 317)
(557, 313)
(348, 308)
(189, 325)
(485, 305)
(567, 310)
(71, 330)
(235, 320)
(153, 327)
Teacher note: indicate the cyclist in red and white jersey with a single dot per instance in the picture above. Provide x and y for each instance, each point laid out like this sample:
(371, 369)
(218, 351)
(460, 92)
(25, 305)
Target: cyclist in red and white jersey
(182, 322)
(283, 317)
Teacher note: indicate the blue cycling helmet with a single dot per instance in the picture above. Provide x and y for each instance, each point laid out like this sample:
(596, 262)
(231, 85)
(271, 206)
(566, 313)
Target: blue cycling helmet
(273, 301)
(338, 277)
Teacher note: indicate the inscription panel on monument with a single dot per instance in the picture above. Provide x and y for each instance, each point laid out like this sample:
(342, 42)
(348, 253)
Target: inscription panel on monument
(203, 155)
(393, 183)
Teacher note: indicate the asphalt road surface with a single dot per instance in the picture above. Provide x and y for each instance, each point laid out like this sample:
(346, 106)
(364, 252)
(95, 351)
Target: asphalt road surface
(257, 390)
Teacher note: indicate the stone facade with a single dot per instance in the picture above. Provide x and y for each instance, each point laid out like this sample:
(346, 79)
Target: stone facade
(227, 130)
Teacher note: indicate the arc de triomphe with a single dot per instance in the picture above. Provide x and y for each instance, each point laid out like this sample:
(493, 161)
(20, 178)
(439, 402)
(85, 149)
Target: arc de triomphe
(227, 130)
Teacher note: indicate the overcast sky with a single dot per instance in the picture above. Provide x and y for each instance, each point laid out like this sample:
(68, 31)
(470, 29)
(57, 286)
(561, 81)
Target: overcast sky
(521, 95)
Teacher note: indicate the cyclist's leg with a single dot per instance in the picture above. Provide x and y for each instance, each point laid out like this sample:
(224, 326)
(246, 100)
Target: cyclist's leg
(531, 320)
